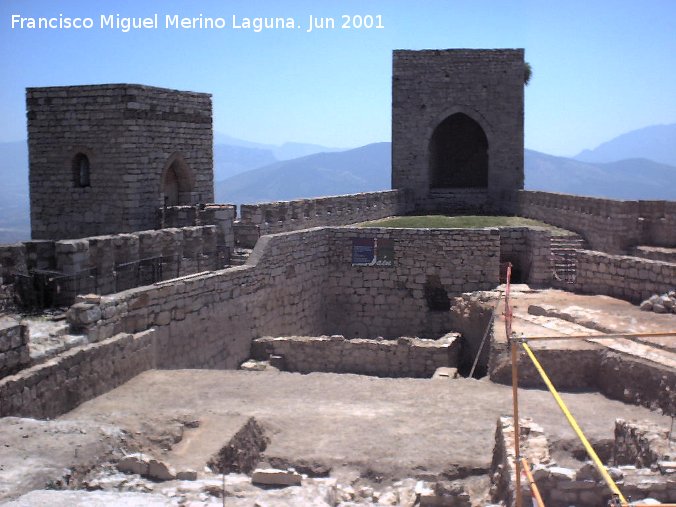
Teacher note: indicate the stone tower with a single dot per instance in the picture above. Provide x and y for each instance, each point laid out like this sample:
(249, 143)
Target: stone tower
(104, 158)
(457, 128)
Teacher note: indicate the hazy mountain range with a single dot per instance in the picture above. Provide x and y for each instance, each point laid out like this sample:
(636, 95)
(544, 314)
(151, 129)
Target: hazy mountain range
(637, 165)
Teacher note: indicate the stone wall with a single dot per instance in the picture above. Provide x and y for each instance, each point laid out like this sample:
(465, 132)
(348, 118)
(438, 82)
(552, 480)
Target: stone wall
(655, 253)
(221, 215)
(607, 225)
(404, 357)
(106, 264)
(295, 284)
(582, 486)
(14, 353)
(630, 278)
(80, 374)
(618, 376)
(208, 320)
(410, 297)
(138, 143)
(641, 444)
(529, 251)
(270, 218)
(430, 86)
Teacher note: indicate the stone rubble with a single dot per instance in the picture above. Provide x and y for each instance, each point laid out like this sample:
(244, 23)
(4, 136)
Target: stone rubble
(660, 303)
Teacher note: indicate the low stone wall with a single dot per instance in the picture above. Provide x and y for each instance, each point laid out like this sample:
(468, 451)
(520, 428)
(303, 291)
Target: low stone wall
(533, 446)
(283, 216)
(221, 215)
(106, 264)
(466, 201)
(641, 444)
(208, 320)
(630, 278)
(404, 357)
(80, 374)
(618, 376)
(581, 486)
(568, 369)
(14, 352)
(608, 225)
(655, 253)
(13, 260)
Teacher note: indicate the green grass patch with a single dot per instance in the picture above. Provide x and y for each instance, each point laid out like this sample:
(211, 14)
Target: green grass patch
(460, 222)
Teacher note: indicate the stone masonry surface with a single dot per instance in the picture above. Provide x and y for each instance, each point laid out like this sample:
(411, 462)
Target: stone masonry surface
(630, 278)
(404, 357)
(392, 301)
(80, 374)
(284, 216)
(582, 486)
(105, 264)
(607, 225)
(430, 86)
(130, 134)
(292, 285)
(14, 353)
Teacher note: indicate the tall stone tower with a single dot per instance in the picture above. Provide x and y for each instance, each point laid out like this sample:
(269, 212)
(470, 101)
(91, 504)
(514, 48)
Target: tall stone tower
(104, 158)
(457, 128)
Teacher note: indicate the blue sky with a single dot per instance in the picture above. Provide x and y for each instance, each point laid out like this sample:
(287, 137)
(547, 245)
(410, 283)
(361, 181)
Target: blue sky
(600, 68)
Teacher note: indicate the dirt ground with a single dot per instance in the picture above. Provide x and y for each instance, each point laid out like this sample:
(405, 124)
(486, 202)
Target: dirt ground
(357, 429)
(382, 429)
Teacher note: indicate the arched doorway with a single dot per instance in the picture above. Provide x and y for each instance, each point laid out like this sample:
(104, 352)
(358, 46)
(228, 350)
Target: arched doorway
(176, 182)
(458, 154)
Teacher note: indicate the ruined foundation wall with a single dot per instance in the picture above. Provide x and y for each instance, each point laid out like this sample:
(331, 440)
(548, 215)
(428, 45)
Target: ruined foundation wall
(411, 296)
(581, 486)
(618, 376)
(404, 357)
(607, 225)
(80, 374)
(14, 354)
(208, 320)
(630, 278)
(270, 218)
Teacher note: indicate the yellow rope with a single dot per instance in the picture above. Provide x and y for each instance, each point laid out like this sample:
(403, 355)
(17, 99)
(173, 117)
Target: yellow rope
(573, 423)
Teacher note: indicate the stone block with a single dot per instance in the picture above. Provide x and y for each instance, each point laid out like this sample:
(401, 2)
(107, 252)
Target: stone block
(275, 477)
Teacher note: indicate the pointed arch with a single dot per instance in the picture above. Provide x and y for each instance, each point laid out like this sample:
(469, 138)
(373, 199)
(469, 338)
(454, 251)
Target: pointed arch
(177, 182)
(458, 153)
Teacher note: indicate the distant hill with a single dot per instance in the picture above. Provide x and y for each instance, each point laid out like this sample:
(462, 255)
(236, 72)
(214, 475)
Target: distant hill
(230, 160)
(358, 170)
(657, 143)
(14, 208)
(286, 151)
(625, 179)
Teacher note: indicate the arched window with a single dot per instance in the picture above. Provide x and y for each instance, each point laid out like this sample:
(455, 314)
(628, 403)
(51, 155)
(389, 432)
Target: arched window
(459, 154)
(81, 170)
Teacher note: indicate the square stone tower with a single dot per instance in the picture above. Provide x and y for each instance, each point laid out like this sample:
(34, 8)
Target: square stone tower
(103, 158)
(457, 128)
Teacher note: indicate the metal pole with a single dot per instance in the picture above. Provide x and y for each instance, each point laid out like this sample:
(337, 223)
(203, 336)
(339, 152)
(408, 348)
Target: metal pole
(531, 482)
(515, 388)
(602, 336)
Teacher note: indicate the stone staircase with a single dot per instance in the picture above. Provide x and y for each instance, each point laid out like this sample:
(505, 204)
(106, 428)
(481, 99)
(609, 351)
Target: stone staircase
(563, 256)
(239, 256)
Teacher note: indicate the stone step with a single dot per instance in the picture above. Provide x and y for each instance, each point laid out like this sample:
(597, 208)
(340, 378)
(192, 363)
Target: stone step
(239, 256)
